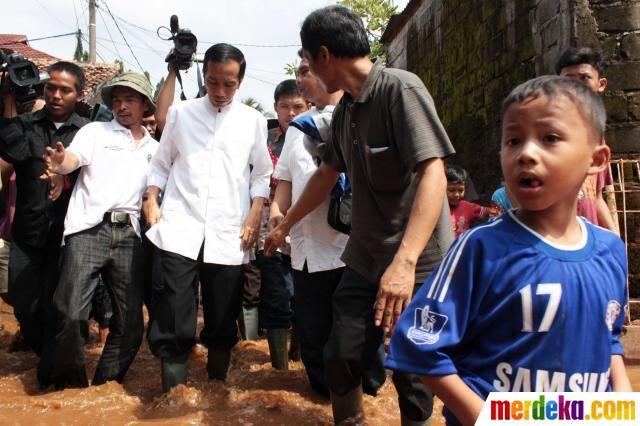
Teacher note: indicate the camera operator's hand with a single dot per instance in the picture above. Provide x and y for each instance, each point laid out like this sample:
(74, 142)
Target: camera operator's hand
(8, 99)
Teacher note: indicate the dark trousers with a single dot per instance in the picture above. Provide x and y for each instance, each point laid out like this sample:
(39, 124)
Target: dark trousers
(113, 252)
(252, 280)
(101, 309)
(354, 342)
(152, 267)
(172, 329)
(276, 290)
(33, 276)
(314, 317)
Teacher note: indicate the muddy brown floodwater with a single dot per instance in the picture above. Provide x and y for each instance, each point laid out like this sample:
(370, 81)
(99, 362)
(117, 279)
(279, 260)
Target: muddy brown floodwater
(254, 394)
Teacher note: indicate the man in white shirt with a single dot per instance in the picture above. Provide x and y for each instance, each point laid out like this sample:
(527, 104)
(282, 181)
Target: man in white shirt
(102, 232)
(212, 161)
(315, 246)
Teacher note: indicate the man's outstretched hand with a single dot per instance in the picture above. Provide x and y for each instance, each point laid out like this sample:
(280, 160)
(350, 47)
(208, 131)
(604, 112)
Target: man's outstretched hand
(53, 159)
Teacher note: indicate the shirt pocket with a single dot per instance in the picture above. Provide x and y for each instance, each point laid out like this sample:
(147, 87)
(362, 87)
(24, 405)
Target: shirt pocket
(385, 169)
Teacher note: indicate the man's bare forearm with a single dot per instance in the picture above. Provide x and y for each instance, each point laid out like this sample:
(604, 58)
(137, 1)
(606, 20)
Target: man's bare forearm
(68, 165)
(282, 199)
(165, 99)
(425, 211)
(315, 192)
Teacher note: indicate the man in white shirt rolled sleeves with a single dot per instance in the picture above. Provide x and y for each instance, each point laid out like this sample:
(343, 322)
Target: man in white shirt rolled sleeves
(102, 233)
(214, 168)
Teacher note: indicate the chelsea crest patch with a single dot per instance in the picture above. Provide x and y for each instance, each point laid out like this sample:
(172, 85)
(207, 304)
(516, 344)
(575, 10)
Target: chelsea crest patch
(427, 326)
(613, 310)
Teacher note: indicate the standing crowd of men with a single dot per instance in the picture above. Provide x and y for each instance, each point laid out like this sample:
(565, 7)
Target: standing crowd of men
(220, 193)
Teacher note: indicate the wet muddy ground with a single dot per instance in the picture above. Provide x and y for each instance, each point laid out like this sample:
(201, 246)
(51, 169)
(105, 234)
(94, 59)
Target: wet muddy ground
(254, 394)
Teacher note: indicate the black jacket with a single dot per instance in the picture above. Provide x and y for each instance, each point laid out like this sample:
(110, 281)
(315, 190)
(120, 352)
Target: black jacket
(23, 140)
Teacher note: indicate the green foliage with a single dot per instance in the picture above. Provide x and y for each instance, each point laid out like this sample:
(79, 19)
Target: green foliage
(120, 64)
(146, 74)
(375, 14)
(158, 87)
(79, 55)
(291, 68)
(253, 103)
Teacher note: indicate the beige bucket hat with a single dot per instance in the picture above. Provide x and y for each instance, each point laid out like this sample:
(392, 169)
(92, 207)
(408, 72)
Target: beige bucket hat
(133, 80)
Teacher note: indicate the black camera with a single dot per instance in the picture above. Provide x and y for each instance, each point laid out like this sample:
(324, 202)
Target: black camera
(23, 76)
(185, 44)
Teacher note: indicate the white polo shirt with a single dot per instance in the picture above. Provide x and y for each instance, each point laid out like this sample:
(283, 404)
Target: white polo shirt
(210, 164)
(113, 174)
(312, 239)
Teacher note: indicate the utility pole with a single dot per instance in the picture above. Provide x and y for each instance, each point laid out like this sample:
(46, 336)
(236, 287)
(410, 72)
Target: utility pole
(92, 30)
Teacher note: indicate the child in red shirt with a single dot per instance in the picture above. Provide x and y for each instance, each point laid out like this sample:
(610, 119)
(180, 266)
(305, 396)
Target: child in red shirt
(463, 213)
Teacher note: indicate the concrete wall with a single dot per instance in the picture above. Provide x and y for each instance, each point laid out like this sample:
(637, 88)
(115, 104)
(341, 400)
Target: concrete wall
(471, 53)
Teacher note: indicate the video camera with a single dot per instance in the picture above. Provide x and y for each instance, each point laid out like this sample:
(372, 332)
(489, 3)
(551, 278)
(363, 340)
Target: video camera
(185, 44)
(23, 76)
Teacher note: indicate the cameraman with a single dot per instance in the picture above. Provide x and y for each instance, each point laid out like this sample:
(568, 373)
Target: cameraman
(40, 205)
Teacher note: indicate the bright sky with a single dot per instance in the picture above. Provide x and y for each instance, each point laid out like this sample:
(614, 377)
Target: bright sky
(239, 22)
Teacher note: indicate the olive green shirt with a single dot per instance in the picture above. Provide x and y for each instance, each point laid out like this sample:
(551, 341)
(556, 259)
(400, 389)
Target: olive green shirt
(378, 139)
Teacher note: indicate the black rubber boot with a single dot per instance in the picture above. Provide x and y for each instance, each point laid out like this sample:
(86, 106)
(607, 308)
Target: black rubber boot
(218, 363)
(277, 339)
(347, 408)
(406, 422)
(174, 371)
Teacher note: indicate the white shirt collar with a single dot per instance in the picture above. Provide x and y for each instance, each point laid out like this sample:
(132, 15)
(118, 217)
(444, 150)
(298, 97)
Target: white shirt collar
(115, 126)
(216, 109)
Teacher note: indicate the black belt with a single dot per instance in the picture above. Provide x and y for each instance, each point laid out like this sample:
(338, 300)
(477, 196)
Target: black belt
(117, 218)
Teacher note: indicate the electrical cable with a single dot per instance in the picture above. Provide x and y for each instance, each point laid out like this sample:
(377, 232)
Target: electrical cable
(123, 37)
(109, 32)
(75, 33)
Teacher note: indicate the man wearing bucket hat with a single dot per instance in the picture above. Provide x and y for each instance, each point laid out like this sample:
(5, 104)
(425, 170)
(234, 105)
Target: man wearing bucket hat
(102, 232)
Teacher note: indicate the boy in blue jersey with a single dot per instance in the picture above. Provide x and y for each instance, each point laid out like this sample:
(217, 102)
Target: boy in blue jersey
(534, 300)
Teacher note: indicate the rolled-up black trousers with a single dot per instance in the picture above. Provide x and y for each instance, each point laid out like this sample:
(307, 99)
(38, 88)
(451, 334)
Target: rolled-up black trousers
(172, 328)
(354, 342)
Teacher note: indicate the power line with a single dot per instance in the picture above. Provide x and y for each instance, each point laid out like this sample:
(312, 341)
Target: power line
(123, 37)
(97, 53)
(257, 45)
(75, 12)
(270, 83)
(109, 32)
(39, 38)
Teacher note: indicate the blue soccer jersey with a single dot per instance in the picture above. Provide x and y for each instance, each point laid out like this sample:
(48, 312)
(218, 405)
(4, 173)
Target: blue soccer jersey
(508, 311)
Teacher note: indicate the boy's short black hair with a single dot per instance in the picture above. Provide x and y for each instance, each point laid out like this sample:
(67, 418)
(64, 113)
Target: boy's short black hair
(580, 55)
(286, 88)
(71, 68)
(223, 52)
(337, 28)
(588, 103)
(455, 174)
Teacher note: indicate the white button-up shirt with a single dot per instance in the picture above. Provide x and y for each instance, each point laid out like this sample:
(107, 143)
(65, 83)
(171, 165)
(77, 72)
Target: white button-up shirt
(113, 174)
(203, 166)
(312, 239)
